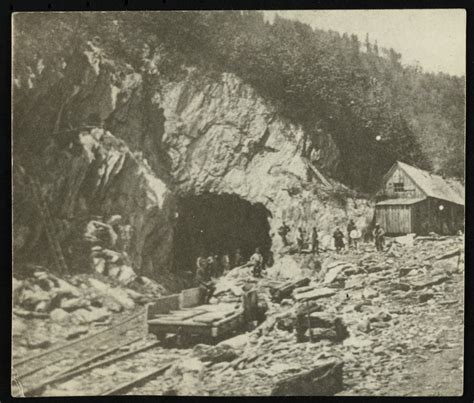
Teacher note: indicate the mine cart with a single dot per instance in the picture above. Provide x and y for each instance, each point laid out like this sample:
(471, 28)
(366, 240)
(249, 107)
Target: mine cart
(186, 316)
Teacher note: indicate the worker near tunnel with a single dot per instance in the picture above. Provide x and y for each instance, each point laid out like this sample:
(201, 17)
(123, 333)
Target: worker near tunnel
(350, 227)
(238, 259)
(314, 241)
(283, 231)
(256, 261)
(204, 278)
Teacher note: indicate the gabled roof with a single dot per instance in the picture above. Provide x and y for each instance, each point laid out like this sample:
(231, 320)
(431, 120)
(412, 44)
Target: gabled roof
(434, 185)
(399, 202)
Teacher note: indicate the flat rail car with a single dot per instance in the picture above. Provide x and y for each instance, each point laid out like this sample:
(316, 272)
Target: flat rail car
(186, 316)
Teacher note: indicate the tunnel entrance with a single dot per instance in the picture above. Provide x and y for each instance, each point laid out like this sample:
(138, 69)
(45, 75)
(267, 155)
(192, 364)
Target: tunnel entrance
(219, 224)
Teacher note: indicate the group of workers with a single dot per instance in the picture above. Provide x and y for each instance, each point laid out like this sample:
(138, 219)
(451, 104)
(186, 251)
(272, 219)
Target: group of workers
(354, 236)
(301, 237)
(214, 266)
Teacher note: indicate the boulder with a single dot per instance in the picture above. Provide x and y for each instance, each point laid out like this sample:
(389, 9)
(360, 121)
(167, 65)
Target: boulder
(381, 316)
(77, 332)
(65, 289)
(426, 296)
(59, 315)
(126, 275)
(324, 379)
(369, 293)
(31, 297)
(449, 254)
(332, 273)
(186, 376)
(285, 267)
(237, 342)
(314, 294)
(38, 341)
(118, 295)
(72, 304)
(111, 255)
(407, 240)
(85, 316)
(121, 297)
(215, 354)
(428, 282)
(446, 265)
(43, 306)
(99, 264)
(364, 325)
(112, 305)
(318, 334)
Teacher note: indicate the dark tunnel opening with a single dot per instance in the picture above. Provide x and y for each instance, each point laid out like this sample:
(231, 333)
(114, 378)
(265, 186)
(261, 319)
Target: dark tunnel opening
(211, 224)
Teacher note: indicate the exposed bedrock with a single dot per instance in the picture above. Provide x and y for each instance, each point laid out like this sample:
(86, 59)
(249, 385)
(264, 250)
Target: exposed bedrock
(161, 145)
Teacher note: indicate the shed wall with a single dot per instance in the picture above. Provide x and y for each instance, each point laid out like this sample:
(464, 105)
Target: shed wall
(410, 190)
(394, 219)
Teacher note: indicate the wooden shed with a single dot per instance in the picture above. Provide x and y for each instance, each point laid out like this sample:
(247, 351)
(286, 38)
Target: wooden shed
(412, 200)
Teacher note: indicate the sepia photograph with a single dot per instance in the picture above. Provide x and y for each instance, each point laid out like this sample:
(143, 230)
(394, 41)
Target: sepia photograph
(238, 203)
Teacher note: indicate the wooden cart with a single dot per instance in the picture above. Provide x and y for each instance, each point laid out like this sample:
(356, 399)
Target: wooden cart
(186, 316)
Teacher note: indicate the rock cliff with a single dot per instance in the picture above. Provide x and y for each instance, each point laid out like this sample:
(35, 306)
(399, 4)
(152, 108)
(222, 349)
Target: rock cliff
(105, 138)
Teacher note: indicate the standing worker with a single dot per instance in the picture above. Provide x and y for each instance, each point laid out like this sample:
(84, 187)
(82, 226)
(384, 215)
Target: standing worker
(283, 232)
(351, 226)
(203, 278)
(257, 262)
(300, 238)
(338, 239)
(378, 234)
(355, 236)
(225, 263)
(212, 265)
(238, 259)
(314, 241)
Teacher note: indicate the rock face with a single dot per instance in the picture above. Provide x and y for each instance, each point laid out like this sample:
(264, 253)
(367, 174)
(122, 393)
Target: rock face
(152, 141)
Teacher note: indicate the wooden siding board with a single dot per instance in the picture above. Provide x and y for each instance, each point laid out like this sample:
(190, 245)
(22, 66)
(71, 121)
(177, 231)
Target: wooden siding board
(394, 219)
(400, 176)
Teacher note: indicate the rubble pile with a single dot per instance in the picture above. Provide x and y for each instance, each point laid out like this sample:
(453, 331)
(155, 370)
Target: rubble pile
(374, 318)
(55, 309)
(360, 323)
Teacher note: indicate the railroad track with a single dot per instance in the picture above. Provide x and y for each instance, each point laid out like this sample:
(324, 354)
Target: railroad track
(30, 376)
(114, 375)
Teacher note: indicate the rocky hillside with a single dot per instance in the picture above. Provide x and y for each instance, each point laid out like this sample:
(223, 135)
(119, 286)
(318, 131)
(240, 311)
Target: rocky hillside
(111, 139)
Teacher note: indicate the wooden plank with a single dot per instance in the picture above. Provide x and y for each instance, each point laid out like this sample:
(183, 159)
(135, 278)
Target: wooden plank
(164, 305)
(191, 297)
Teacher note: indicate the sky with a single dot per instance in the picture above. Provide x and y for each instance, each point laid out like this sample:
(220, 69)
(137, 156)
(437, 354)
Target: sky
(434, 38)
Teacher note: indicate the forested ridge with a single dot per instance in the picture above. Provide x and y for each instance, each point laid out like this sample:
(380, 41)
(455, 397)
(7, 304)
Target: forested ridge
(376, 109)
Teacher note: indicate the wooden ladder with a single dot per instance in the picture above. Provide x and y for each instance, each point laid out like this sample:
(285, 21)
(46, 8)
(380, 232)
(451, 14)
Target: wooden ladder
(50, 227)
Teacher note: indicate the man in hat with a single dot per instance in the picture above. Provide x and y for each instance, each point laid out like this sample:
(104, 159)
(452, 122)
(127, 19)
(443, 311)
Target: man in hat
(350, 227)
(338, 239)
(378, 234)
(283, 232)
(257, 262)
(203, 278)
(300, 239)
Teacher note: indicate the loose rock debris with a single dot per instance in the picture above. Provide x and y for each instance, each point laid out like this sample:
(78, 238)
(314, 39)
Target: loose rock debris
(363, 324)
